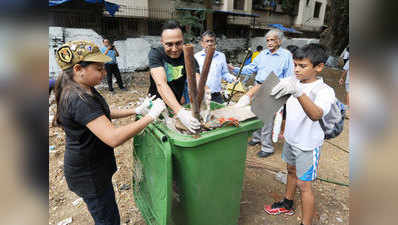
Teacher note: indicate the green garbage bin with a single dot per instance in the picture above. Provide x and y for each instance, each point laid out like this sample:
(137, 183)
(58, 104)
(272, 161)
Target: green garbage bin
(181, 180)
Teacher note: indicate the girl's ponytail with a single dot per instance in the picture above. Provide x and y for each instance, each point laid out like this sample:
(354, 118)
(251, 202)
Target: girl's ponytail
(64, 86)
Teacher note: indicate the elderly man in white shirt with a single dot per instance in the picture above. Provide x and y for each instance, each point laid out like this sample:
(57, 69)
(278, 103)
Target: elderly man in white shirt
(218, 69)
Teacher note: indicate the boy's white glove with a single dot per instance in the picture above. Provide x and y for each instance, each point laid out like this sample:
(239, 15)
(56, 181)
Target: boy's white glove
(188, 120)
(243, 101)
(144, 107)
(157, 108)
(287, 86)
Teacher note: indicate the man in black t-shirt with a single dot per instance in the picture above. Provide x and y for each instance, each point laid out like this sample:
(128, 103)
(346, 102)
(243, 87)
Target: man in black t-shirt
(168, 74)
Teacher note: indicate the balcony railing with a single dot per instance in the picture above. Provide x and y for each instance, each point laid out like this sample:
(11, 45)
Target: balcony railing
(152, 13)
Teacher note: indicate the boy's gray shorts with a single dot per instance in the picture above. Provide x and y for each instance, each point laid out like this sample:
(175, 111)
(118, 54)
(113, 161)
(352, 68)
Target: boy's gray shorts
(306, 162)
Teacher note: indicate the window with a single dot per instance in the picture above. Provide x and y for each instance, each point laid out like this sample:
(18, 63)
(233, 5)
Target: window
(317, 9)
(308, 2)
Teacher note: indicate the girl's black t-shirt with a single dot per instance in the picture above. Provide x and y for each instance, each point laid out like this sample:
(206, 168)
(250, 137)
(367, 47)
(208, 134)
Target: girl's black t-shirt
(88, 162)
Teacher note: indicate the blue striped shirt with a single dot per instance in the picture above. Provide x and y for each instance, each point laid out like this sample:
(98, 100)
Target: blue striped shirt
(280, 62)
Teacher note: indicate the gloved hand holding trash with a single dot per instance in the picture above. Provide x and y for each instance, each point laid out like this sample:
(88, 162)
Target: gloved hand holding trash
(186, 118)
(157, 108)
(286, 86)
(144, 105)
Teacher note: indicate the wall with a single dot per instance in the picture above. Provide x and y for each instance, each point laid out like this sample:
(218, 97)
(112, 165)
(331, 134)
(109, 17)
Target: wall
(134, 51)
(161, 4)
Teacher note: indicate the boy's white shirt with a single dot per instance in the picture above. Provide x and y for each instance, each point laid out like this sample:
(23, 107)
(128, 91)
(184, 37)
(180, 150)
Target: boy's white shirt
(300, 130)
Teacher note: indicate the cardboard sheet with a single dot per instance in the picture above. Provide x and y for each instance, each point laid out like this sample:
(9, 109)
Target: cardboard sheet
(241, 114)
(264, 105)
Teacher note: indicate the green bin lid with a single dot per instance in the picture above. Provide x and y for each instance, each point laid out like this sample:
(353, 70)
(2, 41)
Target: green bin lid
(208, 136)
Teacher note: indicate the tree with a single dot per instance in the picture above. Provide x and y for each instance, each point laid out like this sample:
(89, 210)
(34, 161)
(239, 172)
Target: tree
(192, 21)
(209, 15)
(290, 7)
(336, 35)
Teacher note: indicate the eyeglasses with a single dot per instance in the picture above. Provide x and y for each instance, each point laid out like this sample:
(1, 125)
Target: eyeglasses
(172, 44)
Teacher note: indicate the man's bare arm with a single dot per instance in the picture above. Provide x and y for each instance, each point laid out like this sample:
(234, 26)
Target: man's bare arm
(159, 76)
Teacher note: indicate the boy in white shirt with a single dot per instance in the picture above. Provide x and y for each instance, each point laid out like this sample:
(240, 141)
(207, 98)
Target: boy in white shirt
(303, 133)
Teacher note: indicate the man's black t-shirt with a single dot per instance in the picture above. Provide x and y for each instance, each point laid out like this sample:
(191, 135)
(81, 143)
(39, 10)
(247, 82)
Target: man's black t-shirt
(174, 68)
(88, 162)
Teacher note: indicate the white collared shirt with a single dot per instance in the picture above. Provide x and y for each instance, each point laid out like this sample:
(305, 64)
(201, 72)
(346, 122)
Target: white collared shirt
(218, 70)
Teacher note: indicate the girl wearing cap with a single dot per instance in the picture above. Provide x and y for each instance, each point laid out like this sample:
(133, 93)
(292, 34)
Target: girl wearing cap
(89, 160)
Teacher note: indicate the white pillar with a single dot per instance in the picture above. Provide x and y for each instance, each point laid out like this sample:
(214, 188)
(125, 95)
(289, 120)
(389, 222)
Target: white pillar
(248, 6)
(322, 13)
(300, 14)
(228, 5)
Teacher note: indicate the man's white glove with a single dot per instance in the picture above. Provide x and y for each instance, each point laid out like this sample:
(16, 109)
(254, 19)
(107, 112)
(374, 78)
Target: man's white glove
(145, 106)
(157, 108)
(287, 86)
(188, 120)
(243, 101)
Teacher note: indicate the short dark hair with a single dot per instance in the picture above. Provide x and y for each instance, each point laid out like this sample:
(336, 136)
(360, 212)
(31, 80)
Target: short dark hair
(259, 48)
(316, 53)
(208, 33)
(170, 25)
(292, 48)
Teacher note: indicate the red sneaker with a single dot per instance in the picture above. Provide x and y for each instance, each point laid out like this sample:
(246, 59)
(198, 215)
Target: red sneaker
(278, 208)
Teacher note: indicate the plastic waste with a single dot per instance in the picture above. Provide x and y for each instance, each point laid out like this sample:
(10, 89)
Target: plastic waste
(277, 125)
(282, 177)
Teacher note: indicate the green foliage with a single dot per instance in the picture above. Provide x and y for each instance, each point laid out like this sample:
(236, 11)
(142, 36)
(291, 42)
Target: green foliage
(336, 37)
(192, 21)
(290, 7)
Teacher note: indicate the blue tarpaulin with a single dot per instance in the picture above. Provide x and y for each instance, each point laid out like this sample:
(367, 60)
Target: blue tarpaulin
(112, 8)
(282, 28)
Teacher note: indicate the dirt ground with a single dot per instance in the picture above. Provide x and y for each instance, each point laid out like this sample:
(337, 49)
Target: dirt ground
(260, 185)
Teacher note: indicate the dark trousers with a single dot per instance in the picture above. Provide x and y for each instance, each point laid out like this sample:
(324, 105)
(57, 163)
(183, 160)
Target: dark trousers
(217, 97)
(113, 69)
(103, 208)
